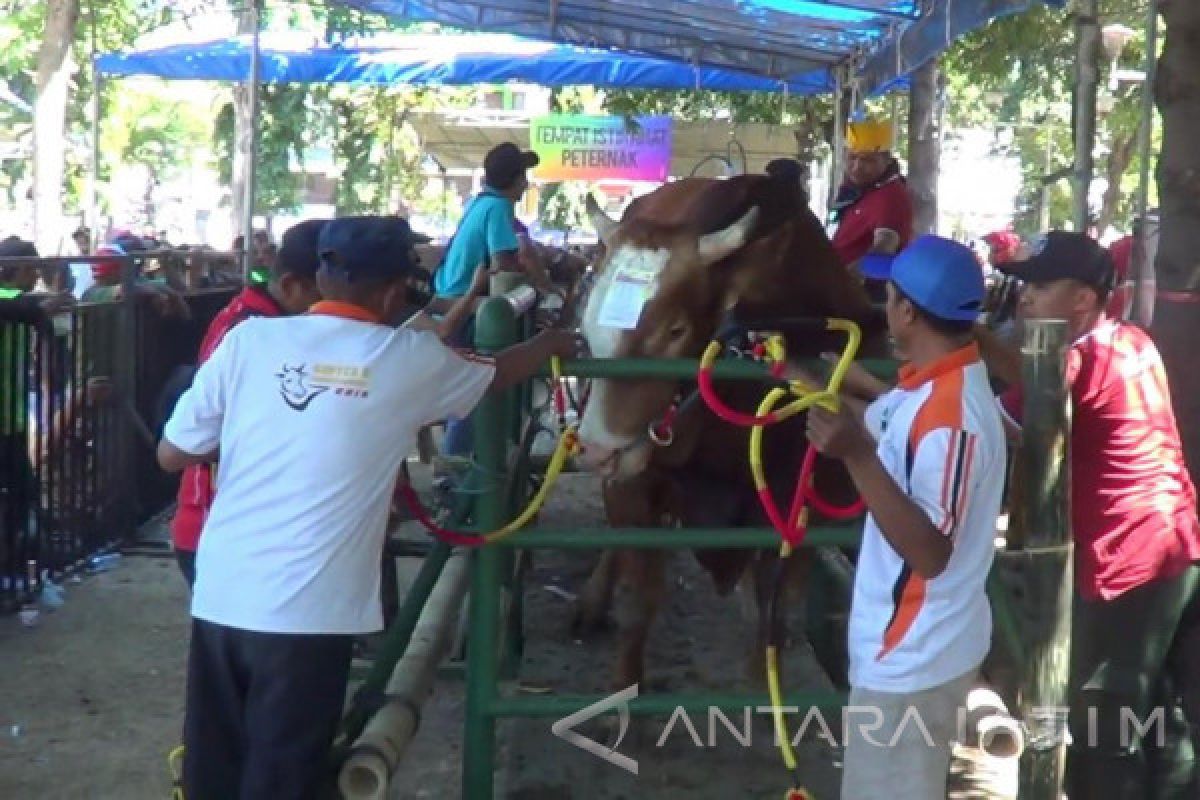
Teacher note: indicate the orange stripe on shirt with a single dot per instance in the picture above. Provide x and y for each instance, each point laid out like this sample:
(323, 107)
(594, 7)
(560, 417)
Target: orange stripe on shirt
(912, 598)
(941, 409)
(960, 506)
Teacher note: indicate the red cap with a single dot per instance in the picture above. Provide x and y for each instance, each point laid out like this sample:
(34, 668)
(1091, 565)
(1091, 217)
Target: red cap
(108, 268)
(1122, 256)
(1004, 245)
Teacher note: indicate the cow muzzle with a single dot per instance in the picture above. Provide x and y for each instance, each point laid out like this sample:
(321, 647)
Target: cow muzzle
(614, 463)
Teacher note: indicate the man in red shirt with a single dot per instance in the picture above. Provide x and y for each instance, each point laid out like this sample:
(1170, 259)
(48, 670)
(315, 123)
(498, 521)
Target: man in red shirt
(1121, 250)
(1136, 626)
(873, 209)
(291, 289)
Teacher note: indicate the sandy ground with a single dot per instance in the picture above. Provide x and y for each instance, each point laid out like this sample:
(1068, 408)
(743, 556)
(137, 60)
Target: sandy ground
(91, 698)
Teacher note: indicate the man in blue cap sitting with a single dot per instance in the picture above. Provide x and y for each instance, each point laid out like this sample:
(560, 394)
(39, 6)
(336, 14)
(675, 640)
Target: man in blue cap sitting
(928, 458)
(313, 415)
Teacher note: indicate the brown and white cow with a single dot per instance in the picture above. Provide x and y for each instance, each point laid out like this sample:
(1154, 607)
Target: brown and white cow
(704, 246)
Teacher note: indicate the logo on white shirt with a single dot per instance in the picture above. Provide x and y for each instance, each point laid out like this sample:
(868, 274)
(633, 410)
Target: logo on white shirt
(295, 389)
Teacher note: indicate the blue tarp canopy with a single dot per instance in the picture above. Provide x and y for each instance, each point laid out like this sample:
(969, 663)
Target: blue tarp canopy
(462, 59)
(784, 40)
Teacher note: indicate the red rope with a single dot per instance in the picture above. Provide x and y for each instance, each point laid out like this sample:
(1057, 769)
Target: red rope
(790, 529)
(704, 381)
(665, 426)
(456, 538)
(816, 502)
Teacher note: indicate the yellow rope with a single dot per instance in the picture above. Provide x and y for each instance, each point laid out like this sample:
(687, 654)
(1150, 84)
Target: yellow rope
(807, 398)
(568, 445)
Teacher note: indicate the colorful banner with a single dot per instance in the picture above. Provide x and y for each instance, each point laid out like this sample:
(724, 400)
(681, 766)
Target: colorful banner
(579, 148)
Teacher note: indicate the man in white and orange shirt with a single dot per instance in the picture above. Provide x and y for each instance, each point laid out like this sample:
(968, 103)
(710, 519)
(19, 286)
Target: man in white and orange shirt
(928, 458)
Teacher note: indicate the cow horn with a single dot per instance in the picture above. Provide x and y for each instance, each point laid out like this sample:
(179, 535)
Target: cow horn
(712, 247)
(604, 224)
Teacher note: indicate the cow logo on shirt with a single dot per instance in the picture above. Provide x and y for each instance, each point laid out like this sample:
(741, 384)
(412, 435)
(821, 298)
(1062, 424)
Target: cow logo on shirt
(295, 389)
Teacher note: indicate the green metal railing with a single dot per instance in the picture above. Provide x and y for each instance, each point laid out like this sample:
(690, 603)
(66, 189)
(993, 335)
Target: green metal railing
(500, 423)
(496, 328)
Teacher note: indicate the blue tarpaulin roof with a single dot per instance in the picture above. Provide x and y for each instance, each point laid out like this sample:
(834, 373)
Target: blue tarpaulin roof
(463, 59)
(780, 39)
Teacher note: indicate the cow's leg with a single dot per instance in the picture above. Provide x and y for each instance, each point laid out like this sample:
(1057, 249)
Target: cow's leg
(642, 587)
(626, 504)
(595, 598)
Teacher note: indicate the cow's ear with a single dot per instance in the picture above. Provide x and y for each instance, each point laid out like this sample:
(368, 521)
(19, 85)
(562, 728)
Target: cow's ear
(712, 247)
(605, 225)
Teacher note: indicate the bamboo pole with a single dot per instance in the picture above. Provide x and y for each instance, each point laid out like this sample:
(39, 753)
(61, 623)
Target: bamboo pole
(1047, 572)
(377, 752)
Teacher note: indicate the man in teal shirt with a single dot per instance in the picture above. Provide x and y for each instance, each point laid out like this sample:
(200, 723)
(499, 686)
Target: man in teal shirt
(486, 234)
(485, 237)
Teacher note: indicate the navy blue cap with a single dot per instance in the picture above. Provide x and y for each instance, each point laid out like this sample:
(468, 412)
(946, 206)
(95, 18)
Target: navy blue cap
(1062, 254)
(941, 276)
(297, 254)
(368, 247)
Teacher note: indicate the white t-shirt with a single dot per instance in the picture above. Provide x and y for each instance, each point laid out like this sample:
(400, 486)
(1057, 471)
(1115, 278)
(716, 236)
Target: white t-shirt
(313, 416)
(941, 440)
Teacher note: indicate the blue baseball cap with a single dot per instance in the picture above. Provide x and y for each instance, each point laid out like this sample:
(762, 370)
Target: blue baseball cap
(939, 275)
(367, 247)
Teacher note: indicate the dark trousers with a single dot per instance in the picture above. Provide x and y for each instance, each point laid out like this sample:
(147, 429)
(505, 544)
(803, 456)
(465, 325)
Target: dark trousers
(17, 484)
(262, 711)
(187, 565)
(1136, 657)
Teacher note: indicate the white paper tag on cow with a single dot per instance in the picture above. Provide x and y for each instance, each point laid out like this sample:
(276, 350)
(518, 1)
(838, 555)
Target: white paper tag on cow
(626, 296)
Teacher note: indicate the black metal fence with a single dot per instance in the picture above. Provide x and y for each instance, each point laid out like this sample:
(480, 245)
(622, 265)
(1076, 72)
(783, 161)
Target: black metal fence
(80, 405)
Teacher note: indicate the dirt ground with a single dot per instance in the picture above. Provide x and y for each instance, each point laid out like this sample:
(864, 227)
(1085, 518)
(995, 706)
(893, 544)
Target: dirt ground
(91, 698)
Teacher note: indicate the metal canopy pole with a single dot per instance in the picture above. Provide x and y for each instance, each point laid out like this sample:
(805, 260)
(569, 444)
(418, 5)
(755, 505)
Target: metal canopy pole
(93, 212)
(839, 137)
(1087, 39)
(1145, 270)
(251, 154)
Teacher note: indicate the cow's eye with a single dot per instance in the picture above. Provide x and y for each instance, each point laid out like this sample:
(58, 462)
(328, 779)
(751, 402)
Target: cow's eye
(677, 331)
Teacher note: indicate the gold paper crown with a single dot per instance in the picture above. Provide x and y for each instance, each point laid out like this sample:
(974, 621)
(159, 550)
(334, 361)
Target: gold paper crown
(869, 136)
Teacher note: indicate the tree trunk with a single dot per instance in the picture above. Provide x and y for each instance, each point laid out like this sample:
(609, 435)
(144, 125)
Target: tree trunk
(49, 122)
(924, 148)
(1177, 312)
(242, 131)
(1123, 148)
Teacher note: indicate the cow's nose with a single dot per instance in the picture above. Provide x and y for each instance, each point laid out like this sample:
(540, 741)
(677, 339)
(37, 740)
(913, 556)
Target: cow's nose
(594, 457)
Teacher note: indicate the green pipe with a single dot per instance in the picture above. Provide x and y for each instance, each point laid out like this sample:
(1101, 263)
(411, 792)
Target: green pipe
(677, 538)
(1004, 617)
(396, 641)
(559, 705)
(495, 329)
(685, 368)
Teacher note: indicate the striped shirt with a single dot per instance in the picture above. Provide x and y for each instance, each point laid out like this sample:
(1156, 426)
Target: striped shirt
(941, 440)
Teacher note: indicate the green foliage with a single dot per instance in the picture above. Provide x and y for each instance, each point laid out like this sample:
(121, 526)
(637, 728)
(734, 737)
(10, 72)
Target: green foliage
(1017, 75)
(563, 206)
(284, 132)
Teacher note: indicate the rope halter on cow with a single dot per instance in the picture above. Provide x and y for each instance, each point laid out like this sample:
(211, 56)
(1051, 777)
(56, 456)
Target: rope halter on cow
(774, 352)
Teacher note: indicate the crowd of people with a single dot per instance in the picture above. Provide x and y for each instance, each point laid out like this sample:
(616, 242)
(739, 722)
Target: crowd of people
(314, 381)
